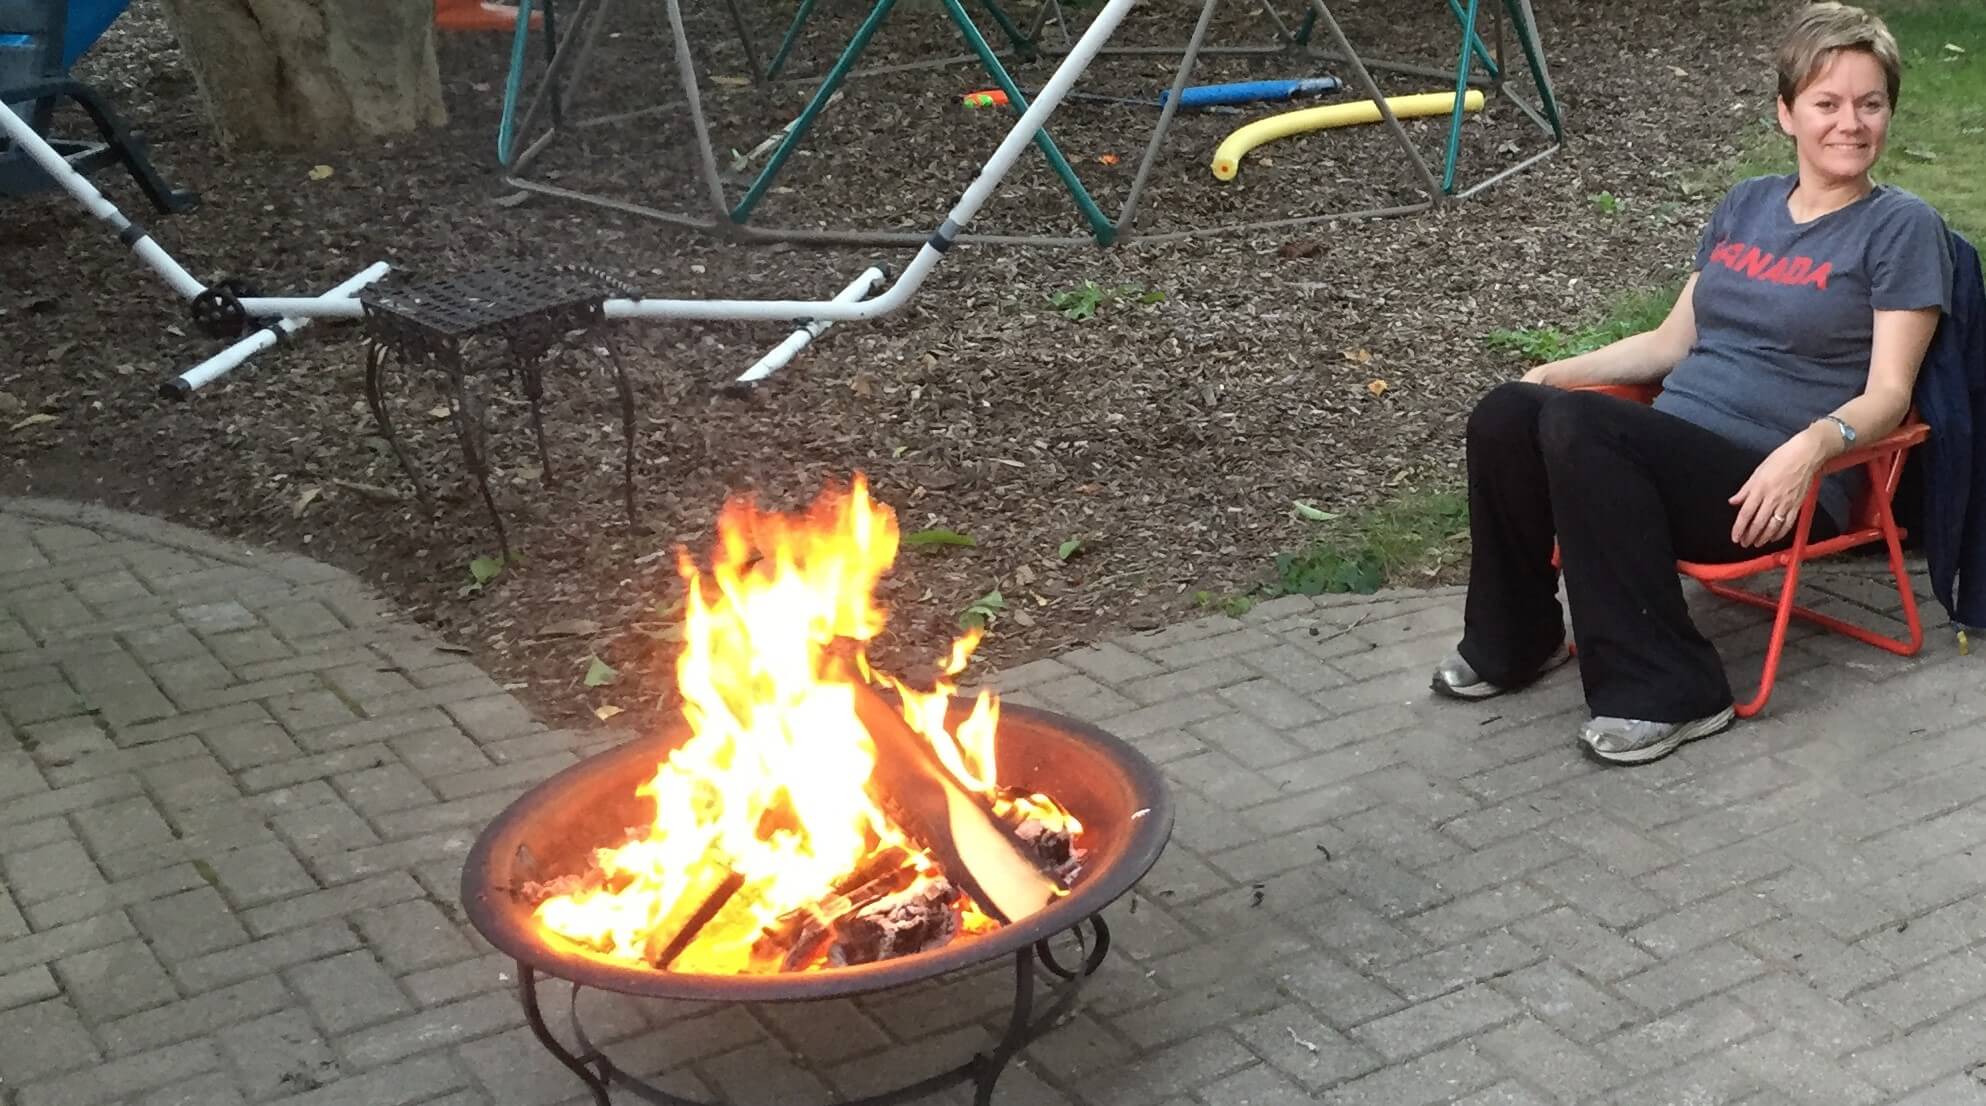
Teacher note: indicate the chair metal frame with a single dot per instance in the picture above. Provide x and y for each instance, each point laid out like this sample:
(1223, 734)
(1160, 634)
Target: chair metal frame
(1872, 519)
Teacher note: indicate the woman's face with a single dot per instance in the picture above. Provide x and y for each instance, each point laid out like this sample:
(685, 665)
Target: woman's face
(1840, 120)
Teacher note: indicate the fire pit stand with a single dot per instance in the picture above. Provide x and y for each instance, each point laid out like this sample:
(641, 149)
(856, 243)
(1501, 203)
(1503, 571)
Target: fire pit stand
(1118, 795)
(600, 1074)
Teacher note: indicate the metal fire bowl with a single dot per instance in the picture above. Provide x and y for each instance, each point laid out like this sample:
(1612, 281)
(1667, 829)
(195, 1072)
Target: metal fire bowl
(1118, 795)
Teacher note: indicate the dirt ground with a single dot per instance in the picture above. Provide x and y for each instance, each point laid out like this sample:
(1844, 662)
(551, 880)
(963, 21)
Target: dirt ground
(1170, 433)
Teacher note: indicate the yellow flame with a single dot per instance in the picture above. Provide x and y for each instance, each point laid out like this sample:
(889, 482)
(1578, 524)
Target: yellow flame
(772, 783)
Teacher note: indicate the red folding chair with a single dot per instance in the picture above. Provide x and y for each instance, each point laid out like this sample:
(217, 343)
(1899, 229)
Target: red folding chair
(1871, 520)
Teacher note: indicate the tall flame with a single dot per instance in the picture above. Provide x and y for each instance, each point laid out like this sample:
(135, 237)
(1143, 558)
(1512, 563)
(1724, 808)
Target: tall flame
(771, 784)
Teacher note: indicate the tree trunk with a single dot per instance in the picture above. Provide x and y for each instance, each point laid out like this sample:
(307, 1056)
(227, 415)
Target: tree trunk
(293, 74)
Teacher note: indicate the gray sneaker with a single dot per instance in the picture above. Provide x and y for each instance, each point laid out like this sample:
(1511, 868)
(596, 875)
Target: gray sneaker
(1633, 741)
(1454, 678)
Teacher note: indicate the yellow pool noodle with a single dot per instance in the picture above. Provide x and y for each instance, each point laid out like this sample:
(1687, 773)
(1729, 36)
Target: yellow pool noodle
(1228, 155)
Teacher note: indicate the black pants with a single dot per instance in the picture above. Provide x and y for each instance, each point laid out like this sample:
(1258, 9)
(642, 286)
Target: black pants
(1626, 491)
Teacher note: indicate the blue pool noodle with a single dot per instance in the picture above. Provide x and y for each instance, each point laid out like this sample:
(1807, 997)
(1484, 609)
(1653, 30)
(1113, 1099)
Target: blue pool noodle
(1253, 92)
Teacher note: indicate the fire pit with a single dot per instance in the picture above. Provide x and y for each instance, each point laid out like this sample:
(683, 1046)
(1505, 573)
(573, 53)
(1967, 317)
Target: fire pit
(812, 828)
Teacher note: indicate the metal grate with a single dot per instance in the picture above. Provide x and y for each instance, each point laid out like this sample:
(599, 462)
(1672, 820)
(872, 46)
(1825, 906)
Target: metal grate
(496, 300)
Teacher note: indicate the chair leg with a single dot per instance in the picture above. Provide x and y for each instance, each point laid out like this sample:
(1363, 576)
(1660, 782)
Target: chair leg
(1775, 646)
(1893, 539)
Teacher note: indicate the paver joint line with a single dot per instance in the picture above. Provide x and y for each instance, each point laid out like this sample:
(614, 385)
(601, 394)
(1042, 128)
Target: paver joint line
(235, 793)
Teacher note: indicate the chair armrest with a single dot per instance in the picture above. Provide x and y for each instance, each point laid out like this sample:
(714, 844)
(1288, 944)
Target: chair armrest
(1894, 442)
(1637, 393)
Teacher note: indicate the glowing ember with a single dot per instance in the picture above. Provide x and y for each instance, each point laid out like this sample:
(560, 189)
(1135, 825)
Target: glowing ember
(773, 787)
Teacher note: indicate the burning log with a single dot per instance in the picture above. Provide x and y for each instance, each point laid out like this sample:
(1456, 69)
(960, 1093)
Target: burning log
(884, 872)
(715, 884)
(974, 849)
(1051, 845)
(813, 936)
(903, 924)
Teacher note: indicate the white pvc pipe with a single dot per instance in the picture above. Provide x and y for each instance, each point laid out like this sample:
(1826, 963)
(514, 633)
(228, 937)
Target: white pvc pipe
(231, 358)
(976, 194)
(785, 351)
(835, 310)
(76, 184)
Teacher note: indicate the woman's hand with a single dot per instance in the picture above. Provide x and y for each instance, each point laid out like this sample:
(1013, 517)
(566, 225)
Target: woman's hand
(1769, 503)
(1540, 374)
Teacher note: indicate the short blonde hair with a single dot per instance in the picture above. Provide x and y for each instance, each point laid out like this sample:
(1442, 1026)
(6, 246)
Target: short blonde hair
(1822, 30)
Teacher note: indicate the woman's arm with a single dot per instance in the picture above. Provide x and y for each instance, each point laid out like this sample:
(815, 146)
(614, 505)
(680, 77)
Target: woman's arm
(1770, 501)
(1636, 359)
(1895, 354)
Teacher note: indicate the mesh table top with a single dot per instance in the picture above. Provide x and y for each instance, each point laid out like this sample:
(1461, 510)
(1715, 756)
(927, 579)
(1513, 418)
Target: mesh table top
(494, 300)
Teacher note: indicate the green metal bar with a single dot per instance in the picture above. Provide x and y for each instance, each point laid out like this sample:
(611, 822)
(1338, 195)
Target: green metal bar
(1023, 45)
(1309, 24)
(1476, 44)
(1461, 90)
(801, 125)
(1527, 37)
(1100, 225)
(513, 83)
(786, 44)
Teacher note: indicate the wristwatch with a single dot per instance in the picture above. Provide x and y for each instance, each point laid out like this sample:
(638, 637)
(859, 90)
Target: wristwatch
(1841, 424)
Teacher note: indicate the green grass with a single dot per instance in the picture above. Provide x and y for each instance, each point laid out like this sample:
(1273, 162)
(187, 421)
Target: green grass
(1630, 314)
(1406, 541)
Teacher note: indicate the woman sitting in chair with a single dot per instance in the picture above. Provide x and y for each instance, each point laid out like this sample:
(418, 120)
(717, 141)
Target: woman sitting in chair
(1811, 302)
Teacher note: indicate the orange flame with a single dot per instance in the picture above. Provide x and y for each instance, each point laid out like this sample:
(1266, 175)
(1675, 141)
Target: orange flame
(771, 784)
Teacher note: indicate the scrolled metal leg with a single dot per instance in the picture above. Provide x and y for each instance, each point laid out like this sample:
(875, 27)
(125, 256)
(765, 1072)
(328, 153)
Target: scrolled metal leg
(1092, 956)
(375, 397)
(626, 390)
(468, 427)
(526, 985)
(534, 390)
(988, 1067)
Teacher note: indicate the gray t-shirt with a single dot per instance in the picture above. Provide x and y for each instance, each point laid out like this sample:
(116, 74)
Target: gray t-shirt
(1784, 311)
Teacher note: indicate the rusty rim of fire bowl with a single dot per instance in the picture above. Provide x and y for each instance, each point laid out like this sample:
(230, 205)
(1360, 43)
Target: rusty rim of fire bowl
(1118, 795)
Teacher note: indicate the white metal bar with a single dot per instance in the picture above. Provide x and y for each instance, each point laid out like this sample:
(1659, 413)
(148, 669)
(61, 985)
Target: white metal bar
(76, 184)
(231, 358)
(975, 196)
(785, 351)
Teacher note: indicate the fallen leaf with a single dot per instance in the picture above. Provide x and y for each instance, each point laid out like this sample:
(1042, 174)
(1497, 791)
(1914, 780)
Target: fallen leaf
(939, 537)
(1069, 548)
(304, 500)
(1106, 159)
(1954, 47)
(731, 82)
(608, 711)
(1679, 71)
(439, 411)
(485, 568)
(570, 627)
(321, 172)
(370, 491)
(1377, 387)
(1360, 355)
(1312, 513)
(599, 673)
(35, 419)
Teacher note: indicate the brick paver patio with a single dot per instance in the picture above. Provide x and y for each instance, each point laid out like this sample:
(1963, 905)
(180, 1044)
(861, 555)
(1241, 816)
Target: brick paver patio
(235, 794)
